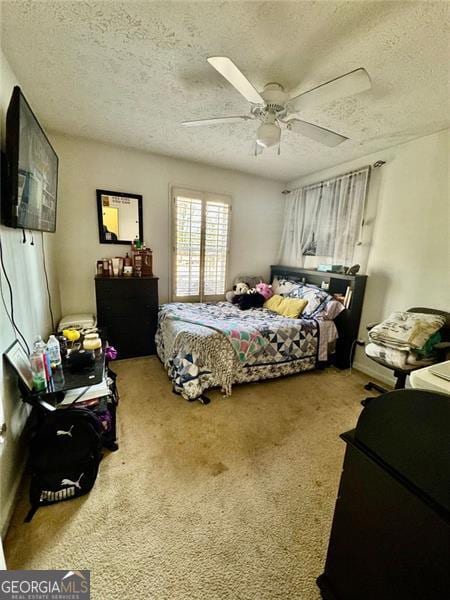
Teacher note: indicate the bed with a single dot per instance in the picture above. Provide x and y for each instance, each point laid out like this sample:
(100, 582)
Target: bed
(203, 346)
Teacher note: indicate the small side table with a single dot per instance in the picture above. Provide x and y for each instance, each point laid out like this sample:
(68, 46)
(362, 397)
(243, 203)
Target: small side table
(63, 380)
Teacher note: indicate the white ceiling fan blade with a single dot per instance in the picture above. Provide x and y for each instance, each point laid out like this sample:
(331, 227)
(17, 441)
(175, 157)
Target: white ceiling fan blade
(216, 121)
(229, 70)
(319, 134)
(346, 85)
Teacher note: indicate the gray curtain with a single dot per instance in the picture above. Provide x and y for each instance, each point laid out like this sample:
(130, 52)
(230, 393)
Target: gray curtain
(324, 220)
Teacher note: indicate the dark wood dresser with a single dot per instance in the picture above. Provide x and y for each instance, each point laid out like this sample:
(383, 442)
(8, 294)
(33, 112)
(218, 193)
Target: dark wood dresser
(391, 528)
(127, 308)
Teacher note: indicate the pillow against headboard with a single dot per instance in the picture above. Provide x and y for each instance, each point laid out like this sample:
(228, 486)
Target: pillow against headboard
(285, 306)
(316, 297)
(282, 286)
(320, 304)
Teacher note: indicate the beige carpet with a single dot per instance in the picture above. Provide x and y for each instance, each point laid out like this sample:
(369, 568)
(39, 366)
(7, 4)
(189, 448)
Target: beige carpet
(231, 500)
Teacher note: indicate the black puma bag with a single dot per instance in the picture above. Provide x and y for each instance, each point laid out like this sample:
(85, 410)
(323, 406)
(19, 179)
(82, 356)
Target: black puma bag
(64, 457)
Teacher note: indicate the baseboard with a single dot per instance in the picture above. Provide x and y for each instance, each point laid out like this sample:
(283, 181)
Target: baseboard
(13, 497)
(360, 366)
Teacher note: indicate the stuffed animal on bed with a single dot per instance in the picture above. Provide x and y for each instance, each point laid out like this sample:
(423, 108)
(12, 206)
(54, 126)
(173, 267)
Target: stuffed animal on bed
(238, 288)
(251, 299)
(241, 288)
(265, 290)
(242, 284)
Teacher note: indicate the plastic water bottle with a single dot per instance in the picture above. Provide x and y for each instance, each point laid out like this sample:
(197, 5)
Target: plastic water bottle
(54, 352)
(37, 361)
(39, 346)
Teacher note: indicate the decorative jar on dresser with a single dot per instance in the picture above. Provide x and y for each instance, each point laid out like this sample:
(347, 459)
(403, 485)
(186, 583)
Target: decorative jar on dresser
(127, 309)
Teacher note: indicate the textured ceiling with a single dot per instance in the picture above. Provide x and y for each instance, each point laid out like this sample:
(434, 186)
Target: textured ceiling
(129, 72)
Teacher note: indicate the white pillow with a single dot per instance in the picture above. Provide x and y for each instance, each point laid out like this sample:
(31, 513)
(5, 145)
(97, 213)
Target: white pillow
(282, 286)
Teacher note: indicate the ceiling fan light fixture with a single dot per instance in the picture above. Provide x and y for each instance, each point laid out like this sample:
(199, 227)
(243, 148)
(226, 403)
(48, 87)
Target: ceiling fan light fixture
(268, 135)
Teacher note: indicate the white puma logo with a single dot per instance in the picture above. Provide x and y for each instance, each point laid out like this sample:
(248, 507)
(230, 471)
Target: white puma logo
(70, 482)
(62, 432)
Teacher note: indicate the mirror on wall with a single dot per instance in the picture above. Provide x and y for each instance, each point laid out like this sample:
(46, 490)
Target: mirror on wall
(119, 217)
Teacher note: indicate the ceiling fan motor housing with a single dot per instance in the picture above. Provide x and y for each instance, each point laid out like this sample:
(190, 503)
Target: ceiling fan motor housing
(275, 98)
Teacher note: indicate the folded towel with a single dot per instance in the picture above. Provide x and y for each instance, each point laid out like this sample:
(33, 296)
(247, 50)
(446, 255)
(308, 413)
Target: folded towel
(406, 330)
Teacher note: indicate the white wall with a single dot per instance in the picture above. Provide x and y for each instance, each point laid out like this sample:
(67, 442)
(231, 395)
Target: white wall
(86, 165)
(408, 218)
(25, 269)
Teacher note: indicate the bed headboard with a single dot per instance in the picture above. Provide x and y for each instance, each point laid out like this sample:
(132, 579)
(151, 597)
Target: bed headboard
(348, 321)
(337, 283)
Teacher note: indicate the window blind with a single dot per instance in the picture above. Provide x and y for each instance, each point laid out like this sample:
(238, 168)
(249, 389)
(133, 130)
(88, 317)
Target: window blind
(201, 226)
(216, 248)
(188, 246)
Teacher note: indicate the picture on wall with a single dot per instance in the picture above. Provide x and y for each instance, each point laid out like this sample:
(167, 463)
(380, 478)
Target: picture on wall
(20, 362)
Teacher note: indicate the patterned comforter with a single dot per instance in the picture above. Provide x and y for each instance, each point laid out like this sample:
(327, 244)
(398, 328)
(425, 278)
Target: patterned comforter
(210, 345)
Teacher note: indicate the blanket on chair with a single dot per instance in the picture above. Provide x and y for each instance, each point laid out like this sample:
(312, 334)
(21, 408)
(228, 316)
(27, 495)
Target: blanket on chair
(399, 359)
(406, 331)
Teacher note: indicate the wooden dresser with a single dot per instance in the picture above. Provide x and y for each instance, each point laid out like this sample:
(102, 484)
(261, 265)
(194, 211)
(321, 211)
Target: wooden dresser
(127, 308)
(391, 525)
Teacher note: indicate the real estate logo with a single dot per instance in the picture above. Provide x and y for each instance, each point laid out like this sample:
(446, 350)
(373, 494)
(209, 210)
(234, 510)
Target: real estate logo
(45, 585)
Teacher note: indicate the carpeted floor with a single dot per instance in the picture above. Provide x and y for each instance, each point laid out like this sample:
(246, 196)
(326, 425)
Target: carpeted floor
(233, 500)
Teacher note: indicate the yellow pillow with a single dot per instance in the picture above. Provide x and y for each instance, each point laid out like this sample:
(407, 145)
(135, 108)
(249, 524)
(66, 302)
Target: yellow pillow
(273, 303)
(287, 307)
(292, 307)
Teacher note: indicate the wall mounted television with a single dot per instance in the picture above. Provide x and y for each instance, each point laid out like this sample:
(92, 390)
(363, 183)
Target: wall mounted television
(29, 201)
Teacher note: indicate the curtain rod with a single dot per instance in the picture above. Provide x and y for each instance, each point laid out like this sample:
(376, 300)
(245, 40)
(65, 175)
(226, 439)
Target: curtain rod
(376, 165)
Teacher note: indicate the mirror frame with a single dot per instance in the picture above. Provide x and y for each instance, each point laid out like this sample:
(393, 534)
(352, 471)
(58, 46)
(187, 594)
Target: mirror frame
(101, 233)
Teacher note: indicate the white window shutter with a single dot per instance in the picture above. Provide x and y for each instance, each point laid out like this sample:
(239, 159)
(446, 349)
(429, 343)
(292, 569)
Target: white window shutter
(201, 225)
(187, 246)
(216, 247)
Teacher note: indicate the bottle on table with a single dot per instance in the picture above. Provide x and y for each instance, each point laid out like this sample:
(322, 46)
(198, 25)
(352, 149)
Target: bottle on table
(40, 346)
(54, 352)
(62, 346)
(38, 371)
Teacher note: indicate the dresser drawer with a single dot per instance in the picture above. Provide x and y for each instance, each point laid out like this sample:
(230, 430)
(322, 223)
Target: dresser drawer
(123, 288)
(120, 310)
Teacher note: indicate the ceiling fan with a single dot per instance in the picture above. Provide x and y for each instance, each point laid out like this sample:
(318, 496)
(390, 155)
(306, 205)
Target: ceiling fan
(273, 107)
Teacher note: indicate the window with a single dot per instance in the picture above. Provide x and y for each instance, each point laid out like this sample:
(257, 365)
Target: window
(200, 244)
(324, 221)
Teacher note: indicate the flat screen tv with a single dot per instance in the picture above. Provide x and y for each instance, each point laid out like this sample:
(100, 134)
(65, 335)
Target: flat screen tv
(29, 201)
